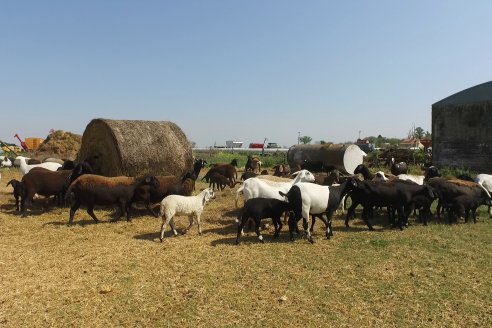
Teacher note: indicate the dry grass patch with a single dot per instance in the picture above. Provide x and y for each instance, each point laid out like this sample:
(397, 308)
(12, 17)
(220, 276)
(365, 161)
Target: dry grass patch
(120, 275)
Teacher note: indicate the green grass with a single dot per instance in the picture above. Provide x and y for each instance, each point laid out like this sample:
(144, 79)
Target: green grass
(216, 156)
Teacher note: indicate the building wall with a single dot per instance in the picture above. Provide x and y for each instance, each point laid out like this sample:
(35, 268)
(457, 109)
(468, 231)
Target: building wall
(462, 136)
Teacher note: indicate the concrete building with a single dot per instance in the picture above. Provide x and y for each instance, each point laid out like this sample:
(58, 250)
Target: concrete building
(462, 129)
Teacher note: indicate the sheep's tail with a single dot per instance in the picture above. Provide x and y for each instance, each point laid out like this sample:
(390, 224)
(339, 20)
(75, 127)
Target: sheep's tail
(239, 190)
(486, 191)
(10, 183)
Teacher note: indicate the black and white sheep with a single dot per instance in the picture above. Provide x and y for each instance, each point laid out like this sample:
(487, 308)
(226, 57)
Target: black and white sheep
(311, 199)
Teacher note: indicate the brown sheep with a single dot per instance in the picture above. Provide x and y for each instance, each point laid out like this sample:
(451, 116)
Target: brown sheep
(227, 170)
(92, 190)
(168, 185)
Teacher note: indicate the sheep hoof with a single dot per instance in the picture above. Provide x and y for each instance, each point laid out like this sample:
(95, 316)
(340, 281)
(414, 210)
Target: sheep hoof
(161, 239)
(311, 240)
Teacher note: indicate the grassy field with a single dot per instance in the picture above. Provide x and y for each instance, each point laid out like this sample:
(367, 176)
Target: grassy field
(118, 274)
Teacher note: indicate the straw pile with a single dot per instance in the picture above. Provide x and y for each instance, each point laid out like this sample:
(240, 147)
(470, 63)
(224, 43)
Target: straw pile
(59, 144)
(133, 148)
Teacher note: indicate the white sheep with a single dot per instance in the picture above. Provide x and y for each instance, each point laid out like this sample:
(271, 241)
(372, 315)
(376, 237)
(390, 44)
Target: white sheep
(418, 179)
(485, 180)
(24, 167)
(255, 187)
(184, 205)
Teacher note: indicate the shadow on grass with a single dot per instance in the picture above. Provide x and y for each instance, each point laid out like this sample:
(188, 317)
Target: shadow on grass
(81, 223)
(252, 238)
(155, 236)
(152, 236)
(9, 208)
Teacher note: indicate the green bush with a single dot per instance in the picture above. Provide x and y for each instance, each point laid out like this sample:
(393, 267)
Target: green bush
(216, 156)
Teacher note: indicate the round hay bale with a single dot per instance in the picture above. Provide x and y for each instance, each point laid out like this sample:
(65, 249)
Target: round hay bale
(342, 157)
(134, 148)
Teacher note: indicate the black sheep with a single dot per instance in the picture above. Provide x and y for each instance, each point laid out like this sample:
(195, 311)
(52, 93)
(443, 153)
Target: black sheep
(260, 208)
(18, 191)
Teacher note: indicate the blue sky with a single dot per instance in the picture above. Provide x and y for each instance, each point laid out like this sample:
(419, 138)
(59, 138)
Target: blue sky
(242, 70)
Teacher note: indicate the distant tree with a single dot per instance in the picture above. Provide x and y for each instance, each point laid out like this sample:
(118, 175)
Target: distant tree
(427, 135)
(192, 144)
(305, 139)
(418, 133)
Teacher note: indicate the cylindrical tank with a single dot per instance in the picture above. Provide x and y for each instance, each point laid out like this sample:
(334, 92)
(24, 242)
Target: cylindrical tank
(342, 157)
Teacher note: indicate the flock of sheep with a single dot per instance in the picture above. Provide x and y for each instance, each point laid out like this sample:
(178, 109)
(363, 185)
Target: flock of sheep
(305, 196)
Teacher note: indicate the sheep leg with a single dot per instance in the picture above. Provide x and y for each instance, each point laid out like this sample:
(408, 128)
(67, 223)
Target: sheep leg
(173, 227)
(240, 228)
(286, 217)
(329, 220)
(350, 214)
(190, 218)
(17, 204)
(365, 218)
(292, 225)
(305, 225)
(25, 201)
(120, 213)
(257, 229)
(73, 209)
(438, 209)
(199, 224)
(128, 207)
(277, 223)
(165, 221)
(313, 217)
(90, 210)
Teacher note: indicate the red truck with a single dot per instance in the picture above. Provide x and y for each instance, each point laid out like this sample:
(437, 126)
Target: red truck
(256, 145)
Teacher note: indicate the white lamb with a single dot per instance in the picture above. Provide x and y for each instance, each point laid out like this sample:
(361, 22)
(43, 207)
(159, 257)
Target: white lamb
(184, 205)
(25, 168)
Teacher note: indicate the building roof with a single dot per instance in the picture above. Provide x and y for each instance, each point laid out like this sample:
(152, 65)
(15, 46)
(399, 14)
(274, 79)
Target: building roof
(478, 94)
(409, 141)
